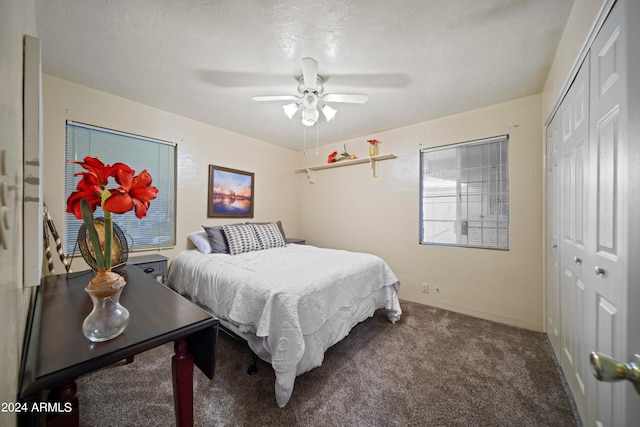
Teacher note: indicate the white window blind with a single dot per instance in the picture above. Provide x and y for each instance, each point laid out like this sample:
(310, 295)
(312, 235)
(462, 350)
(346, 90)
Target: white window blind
(465, 194)
(158, 228)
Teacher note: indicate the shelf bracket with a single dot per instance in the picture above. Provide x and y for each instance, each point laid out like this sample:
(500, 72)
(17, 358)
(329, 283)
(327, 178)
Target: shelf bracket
(311, 176)
(374, 167)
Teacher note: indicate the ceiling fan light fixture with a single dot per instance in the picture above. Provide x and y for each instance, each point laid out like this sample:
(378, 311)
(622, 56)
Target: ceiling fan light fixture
(290, 109)
(311, 97)
(329, 112)
(310, 116)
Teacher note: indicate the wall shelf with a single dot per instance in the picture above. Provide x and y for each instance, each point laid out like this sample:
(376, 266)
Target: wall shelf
(310, 171)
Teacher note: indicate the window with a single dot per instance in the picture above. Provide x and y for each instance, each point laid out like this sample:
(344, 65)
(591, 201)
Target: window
(464, 194)
(158, 228)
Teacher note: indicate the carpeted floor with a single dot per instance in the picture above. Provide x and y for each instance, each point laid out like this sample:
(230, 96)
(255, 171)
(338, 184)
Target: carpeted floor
(433, 368)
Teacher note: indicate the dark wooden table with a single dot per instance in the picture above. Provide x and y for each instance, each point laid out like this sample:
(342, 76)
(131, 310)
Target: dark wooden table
(56, 352)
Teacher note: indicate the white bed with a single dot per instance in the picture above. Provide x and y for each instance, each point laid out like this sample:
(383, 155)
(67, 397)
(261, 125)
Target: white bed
(290, 303)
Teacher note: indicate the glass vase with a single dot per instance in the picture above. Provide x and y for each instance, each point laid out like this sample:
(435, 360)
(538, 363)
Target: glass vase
(109, 318)
(373, 149)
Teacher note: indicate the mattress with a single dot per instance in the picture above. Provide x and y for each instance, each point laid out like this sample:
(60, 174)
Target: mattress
(290, 303)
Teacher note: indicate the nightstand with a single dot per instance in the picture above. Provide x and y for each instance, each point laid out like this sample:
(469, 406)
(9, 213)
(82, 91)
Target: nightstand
(296, 240)
(154, 265)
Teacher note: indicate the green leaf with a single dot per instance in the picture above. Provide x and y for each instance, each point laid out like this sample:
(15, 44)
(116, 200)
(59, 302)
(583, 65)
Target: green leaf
(108, 238)
(87, 217)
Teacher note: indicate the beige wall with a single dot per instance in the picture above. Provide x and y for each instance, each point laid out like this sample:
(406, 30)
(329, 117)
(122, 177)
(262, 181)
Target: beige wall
(348, 208)
(199, 145)
(17, 18)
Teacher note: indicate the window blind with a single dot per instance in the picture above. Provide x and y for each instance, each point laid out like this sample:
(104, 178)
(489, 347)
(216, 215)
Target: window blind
(465, 194)
(158, 228)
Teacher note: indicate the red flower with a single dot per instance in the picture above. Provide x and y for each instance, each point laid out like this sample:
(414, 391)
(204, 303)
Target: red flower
(372, 141)
(134, 191)
(332, 157)
(137, 192)
(88, 190)
(92, 184)
(99, 171)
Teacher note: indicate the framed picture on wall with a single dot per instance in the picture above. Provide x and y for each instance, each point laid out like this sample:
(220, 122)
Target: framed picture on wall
(230, 193)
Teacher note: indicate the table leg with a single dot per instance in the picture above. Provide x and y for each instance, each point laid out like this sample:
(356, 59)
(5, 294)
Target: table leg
(64, 394)
(182, 370)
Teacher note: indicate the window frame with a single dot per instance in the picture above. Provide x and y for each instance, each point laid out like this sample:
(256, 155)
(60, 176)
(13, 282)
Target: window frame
(72, 224)
(422, 219)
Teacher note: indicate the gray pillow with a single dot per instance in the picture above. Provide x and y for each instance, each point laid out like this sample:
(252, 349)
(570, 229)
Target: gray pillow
(216, 239)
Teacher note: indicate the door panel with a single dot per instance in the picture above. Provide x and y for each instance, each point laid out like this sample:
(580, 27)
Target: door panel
(581, 366)
(575, 164)
(605, 251)
(605, 393)
(607, 184)
(568, 323)
(580, 198)
(552, 259)
(567, 196)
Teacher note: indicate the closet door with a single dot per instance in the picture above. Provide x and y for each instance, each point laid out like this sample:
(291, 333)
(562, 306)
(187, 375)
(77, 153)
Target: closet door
(552, 233)
(608, 212)
(593, 183)
(574, 164)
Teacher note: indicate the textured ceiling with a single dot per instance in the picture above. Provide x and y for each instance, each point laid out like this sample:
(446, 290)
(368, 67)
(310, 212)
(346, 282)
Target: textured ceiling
(204, 59)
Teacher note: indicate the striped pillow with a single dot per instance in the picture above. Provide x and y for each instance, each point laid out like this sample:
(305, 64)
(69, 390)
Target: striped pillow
(269, 235)
(240, 238)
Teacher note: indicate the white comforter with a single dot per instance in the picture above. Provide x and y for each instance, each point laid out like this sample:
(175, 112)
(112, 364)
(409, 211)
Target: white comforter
(297, 300)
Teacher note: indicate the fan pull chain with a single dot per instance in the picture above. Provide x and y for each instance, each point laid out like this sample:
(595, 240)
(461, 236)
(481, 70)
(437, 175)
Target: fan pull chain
(304, 143)
(317, 133)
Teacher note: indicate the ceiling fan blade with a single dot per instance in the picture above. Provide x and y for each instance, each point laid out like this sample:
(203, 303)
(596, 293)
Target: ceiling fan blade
(346, 97)
(276, 98)
(310, 73)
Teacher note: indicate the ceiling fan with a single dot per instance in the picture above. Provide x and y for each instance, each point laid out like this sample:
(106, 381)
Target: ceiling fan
(312, 99)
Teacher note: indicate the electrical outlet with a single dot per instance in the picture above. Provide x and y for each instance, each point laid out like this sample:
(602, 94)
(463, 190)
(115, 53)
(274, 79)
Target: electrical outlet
(425, 288)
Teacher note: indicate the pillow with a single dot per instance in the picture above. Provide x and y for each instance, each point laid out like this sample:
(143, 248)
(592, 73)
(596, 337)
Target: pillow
(216, 239)
(279, 223)
(201, 241)
(240, 238)
(269, 235)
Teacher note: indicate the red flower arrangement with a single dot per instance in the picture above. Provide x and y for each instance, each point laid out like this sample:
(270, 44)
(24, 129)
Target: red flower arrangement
(372, 141)
(134, 192)
(332, 157)
(344, 155)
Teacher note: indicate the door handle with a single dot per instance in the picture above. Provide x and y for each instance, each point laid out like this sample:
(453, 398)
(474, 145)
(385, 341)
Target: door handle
(554, 246)
(577, 260)
(600, 271)
(607, 369)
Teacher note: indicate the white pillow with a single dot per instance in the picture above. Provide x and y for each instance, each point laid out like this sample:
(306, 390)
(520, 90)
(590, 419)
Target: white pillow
(269, 235)
(241, 238)
(201, 241)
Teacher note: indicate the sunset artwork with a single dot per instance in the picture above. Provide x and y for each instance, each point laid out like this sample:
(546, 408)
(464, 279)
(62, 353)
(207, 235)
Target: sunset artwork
(230, 193)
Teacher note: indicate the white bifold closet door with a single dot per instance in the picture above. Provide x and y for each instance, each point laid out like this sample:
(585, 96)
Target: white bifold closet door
(590, 253)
